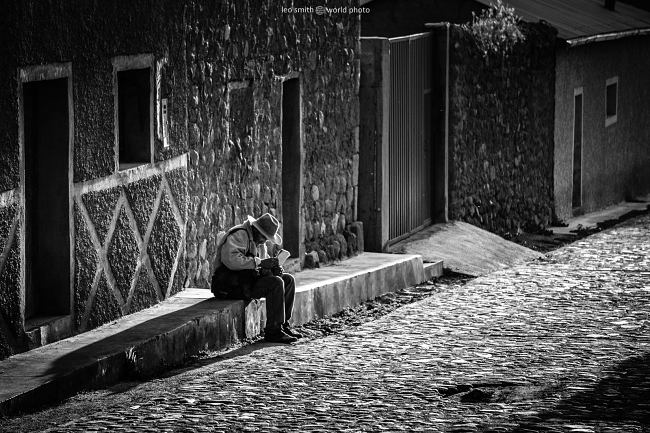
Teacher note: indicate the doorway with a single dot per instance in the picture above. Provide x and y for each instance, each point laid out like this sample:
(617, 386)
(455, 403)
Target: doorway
(291, 166)
(47, 219)
(576, 199)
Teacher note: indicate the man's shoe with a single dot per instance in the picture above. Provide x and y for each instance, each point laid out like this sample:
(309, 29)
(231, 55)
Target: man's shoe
(287, 329)
(278, 336)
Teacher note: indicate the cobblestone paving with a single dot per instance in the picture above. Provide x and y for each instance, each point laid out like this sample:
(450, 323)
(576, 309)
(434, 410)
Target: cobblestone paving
(561, 344)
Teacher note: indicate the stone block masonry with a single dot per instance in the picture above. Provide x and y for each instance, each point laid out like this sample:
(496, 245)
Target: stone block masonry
(139, 234)
(238, 55)
(501, 132)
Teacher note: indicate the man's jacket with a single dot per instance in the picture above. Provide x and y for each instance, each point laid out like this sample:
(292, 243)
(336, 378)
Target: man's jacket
(237, 251)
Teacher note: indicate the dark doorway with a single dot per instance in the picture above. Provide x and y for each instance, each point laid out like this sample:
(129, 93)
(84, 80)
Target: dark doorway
(291, 166)
(46, 131)
(577, 152)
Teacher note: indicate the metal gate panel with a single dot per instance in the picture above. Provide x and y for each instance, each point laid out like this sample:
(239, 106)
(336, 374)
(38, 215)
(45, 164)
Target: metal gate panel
(409, 135)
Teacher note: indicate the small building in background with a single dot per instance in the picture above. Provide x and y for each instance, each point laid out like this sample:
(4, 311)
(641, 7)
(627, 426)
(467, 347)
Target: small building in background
(566, 133)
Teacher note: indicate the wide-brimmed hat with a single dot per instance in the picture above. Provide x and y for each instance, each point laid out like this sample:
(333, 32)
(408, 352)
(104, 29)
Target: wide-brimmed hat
(268, 225)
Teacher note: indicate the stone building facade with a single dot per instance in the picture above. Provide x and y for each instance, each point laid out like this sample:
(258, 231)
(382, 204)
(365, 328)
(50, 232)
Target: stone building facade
(132, 133)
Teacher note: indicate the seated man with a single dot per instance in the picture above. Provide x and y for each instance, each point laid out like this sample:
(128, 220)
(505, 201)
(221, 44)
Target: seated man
(244, 270)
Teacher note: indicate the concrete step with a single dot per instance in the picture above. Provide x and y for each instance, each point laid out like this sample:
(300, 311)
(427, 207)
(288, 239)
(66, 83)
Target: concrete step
(153, 340)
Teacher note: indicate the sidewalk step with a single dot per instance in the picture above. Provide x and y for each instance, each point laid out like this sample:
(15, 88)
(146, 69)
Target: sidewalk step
(153, 340)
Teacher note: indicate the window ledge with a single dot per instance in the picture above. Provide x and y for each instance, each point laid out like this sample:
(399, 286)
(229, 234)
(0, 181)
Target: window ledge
(130, 165)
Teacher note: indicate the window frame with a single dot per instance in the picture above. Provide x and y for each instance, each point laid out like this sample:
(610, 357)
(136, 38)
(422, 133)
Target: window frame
(127, 63)
(610, 120)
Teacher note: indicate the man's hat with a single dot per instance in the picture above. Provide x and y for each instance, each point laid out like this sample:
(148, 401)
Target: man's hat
(268, 225)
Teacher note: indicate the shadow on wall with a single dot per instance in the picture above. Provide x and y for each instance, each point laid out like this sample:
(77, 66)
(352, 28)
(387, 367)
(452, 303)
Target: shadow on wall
(623, 396)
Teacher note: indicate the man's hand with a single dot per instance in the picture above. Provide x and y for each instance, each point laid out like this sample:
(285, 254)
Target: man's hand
(269, 263)
(278, 271)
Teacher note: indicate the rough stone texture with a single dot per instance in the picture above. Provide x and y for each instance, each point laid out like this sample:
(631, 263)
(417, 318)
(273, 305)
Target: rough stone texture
(105, 307)
(101, 206)
(5, 348)
(123, 251)
(144, 293)
(89, 35)
(163, 244)
(7, 215)
(9, 166)
(501, 132)
(85, 267)
(10, 311)
(615, 158)
(236, 160)
(141, 196)
(177, 180)
(123, 254)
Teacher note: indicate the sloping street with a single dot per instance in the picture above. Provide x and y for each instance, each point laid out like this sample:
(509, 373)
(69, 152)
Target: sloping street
(557, 344)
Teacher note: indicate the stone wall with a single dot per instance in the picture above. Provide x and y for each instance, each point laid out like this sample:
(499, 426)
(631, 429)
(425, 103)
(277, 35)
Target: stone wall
(238, 54)
(501, 132)
(141, 235)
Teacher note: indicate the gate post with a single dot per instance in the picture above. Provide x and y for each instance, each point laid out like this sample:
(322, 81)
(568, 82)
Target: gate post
(374, 98)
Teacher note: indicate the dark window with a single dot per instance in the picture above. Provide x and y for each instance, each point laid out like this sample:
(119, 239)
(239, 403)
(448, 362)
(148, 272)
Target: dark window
(612, 100)
(134, 115)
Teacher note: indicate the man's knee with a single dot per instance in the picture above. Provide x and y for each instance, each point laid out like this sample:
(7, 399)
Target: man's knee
(276, 284)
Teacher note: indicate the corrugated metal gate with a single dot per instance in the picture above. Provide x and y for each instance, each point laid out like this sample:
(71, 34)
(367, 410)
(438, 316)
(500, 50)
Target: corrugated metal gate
(410, 135)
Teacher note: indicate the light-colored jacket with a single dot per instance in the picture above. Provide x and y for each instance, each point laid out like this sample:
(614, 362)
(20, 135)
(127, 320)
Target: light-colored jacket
(237, 251)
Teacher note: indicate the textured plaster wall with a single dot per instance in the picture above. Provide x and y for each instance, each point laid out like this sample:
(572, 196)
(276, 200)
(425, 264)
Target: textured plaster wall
(616, 158)
(237, 53)
(129, 246)
(11, 319)
(90, 34)
(9, 176)
(129, 235)
(501, 132)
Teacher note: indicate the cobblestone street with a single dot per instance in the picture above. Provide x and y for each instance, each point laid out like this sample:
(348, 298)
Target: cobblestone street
(560, 344)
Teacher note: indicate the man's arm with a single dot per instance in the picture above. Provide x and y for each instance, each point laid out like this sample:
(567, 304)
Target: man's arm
(233, 252)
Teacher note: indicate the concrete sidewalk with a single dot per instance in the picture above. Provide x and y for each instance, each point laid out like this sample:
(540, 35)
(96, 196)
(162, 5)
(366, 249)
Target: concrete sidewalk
(151, 341)
(599, 218)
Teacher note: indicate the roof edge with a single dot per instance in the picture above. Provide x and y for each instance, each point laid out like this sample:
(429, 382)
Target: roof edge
(583, 40)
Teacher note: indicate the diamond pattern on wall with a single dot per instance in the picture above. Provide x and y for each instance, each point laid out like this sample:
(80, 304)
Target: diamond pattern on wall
(85, 269)
(105, 308)
(123, 254)
(141, 256)
(144, 293)
(142, 197)
(100, 207)
(163, 243)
